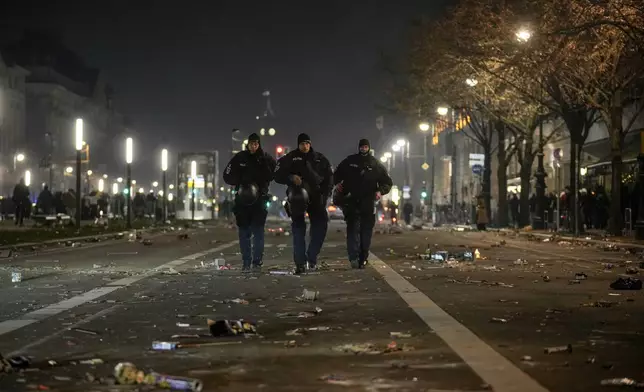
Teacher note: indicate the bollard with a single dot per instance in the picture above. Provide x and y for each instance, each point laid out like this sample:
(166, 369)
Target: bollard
(628, 222)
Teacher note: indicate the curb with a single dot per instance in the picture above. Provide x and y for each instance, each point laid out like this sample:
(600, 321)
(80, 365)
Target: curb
(570, 238)
(65, 239)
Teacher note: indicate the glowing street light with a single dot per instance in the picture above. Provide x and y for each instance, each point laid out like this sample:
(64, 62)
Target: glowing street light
(262, 132)
(69, 170)
(105, 176)
(170, 197)
(271, 132)
(20, 157)
(119, 180)
(141, 190)
(155, 184)
(424, 126)
(27, 177)
(401, 142)
(89, 172)
(79, 146)
(387, 155)
(171, 186)
(193, 175)
(115, 188)
(383, 159)
(395, 147)
(164, 159)
(442, 110)
(129, 157)
(471, 82)
(523, 35)
(101, 185)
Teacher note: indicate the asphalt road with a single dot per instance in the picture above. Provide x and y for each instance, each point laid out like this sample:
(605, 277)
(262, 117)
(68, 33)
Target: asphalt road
(403, 324)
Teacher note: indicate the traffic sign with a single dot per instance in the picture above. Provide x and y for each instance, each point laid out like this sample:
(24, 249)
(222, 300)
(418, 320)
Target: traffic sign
(425, 166)
(477, 169)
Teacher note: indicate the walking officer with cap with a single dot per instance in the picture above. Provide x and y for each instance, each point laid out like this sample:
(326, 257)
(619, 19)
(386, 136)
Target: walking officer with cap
(309, 177)
(251, 172)
(360, 181)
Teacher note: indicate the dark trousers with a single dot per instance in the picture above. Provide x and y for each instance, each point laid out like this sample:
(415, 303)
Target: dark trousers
(251, 221)
(319, 225)
(359, 233)
(21, 211)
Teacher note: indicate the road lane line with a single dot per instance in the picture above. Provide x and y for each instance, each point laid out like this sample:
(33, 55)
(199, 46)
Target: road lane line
(77, 324)
(51, 310)
(496, 370)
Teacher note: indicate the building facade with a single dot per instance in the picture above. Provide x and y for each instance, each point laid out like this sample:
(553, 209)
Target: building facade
(12, 123)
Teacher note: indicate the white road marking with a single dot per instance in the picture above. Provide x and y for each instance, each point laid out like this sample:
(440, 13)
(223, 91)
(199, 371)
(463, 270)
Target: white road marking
(282, 246)
(62, 331)
(496, 370)
(51, 310)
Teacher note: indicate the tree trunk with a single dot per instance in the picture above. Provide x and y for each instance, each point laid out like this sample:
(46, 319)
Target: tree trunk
(524, 196)
(572, 205)
(487, 180)
(502, 177)
(503, 208)
(616, 220)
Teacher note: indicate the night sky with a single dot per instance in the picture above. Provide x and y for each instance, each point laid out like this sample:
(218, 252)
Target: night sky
(187, 72)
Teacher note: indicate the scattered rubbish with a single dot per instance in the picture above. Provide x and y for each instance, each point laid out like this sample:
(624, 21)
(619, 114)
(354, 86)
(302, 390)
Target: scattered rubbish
(520, 262)
(313, 313)
(545, 278)
(364, 348)
(526, 358)
(599, 304)
(590, 360)
(581, 276)
(632, 270)
(559, 349)
(183, 236)
(170, 346)
(626, 283)
(85, 331)
(574, 281)
(7, 365)
(309, 295)
(231, 327)
(236, 301)
(16, 277)
(183, 325)
(618, 382)
(477, 254)
(498, 320)
(281, 272)
(126, 373)
(399, 335)
(147, 242)
(171, 271)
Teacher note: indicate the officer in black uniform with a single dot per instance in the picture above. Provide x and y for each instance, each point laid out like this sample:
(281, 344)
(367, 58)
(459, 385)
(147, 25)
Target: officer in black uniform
(309, 177)
(251, 172)
(360, 180)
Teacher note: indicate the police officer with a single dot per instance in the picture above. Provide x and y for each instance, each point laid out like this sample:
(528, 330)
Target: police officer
(251, 172)
(360, 180)
(309, 177)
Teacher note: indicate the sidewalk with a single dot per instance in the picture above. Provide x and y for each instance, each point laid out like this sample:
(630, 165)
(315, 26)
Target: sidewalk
(584, 237)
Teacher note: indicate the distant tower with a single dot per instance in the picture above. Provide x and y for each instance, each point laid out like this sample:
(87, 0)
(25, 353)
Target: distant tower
(267, 123)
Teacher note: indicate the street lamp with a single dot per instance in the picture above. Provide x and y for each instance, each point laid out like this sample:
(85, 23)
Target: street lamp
(155, 184)
(271, 132)
(171, 186)
(69, 170)
(442, 110)
(401, 142)
(27, 177)
(193, 175)
(129, 156)
(523, 35)
(20, 157)
(79, 148)
(101, 185)
(423, 126)
(262, 132)
(164, 169)
(115, 188)
(387, 155)
(471, 82)
(105, 176)
(383, 159)
(395, 147)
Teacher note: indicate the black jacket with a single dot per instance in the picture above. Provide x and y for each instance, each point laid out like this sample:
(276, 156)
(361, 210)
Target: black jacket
(362, 176)
(246, 168)
(314, 169)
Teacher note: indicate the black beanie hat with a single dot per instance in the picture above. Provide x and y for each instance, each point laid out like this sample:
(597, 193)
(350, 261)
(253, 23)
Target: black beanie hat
(253, 137)
(364, 142)
(303, 137)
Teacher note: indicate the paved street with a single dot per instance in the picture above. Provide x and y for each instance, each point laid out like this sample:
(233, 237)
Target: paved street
(403, 324)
